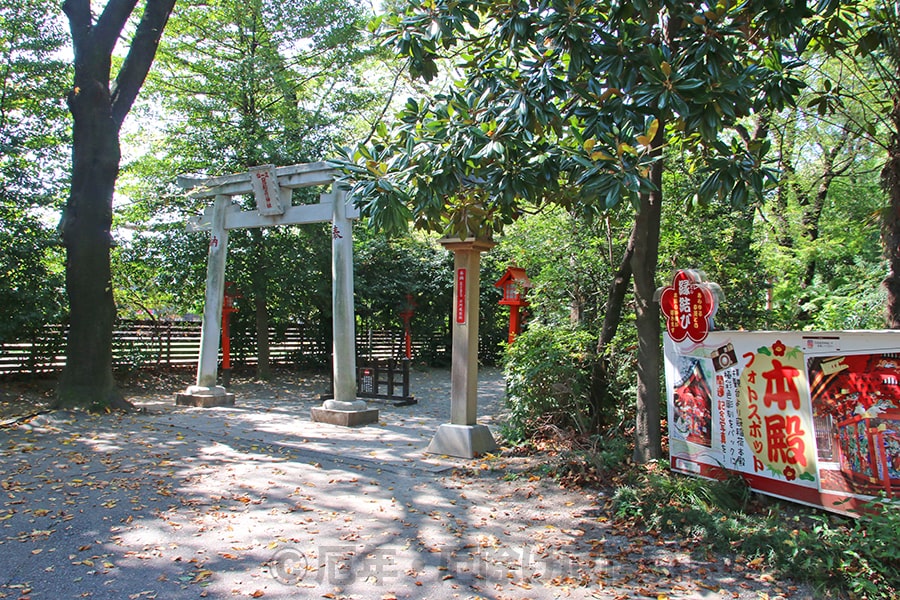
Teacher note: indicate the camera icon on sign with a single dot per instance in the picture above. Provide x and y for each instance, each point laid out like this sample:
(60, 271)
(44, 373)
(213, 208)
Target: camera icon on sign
(289, 566)
(723, 358)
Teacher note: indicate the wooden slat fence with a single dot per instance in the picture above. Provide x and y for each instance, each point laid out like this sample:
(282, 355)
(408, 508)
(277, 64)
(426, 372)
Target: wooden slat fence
(43, 352)
(149, 344)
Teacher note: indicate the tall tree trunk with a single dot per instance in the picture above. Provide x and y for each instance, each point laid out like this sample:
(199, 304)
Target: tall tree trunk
(647, 432)
(890, 178)
(779, 204)
(577, 300)
(260, 301)
(612, 316)
(87, 380)
(648, 427)
(812, 208)
(98, 111)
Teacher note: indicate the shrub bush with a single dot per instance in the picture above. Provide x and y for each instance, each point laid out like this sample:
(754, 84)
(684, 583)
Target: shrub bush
(548, 379)
(861, 556)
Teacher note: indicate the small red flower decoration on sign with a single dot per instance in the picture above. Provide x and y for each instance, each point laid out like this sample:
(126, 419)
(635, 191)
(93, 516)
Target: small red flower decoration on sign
(790, 473)
(688, 305)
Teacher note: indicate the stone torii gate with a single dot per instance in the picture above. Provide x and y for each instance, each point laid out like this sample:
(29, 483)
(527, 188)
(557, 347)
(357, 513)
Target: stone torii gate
(273, 188)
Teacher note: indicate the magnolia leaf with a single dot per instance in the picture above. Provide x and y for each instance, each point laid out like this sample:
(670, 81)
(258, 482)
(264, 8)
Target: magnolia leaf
(653, 128)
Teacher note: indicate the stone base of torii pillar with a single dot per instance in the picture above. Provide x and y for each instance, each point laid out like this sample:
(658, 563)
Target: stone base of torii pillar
(345, 414)
(462, 437)
(204, 397)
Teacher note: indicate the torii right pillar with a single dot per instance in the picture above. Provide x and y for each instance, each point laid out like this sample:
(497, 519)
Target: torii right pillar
(463, 437)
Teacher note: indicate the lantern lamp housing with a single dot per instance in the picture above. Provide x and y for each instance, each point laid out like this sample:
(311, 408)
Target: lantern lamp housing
(515, 285)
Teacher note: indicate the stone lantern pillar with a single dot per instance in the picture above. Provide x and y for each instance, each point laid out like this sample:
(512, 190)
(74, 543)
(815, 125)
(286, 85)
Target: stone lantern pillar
(462, 436)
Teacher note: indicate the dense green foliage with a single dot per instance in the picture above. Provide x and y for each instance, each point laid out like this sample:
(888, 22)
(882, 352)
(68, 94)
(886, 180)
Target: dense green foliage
(547, 379)
(562, 103)
(572, 262)
(863, 39)
(387, 270)
(33, 137)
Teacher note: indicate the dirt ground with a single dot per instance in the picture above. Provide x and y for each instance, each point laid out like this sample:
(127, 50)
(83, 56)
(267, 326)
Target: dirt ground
(23, 397)
(498, 527)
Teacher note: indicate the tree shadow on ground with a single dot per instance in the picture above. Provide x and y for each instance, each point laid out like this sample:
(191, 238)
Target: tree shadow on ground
(256, 500)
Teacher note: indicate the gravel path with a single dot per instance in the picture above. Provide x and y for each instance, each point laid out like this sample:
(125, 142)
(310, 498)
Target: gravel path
(257, 501)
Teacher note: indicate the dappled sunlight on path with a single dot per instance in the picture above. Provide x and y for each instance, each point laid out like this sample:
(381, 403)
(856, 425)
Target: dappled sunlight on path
(256, 500)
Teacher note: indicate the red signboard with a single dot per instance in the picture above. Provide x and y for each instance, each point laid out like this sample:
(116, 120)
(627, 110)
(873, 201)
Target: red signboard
(688, 306)
(461, 296)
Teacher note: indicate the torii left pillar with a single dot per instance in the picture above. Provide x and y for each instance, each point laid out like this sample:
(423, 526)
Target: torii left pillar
(206, 393)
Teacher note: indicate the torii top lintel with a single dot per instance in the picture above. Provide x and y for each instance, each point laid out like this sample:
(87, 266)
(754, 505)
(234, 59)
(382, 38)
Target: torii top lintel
(292, 176)
(287, 178)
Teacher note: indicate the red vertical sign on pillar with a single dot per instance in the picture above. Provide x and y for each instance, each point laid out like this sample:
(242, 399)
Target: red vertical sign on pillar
(461, 296)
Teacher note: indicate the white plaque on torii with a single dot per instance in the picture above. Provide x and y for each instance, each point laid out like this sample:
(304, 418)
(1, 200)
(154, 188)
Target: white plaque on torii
(267, 191)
